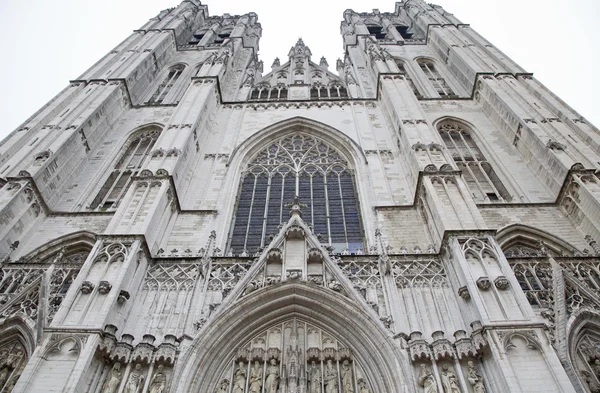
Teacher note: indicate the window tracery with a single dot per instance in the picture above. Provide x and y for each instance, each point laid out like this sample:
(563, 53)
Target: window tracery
(402, 68)
(135, 153)
(13, 359)
(435, 78)
(302, 165)
(166, 85)
(478, 173)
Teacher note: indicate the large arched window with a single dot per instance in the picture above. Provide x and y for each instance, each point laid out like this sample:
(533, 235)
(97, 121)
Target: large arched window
(302, 165)
(165, 86)
(136, 152)
(477, 171)
(435, 78)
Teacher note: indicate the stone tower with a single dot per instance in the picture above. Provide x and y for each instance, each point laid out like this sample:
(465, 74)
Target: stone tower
(423, 220)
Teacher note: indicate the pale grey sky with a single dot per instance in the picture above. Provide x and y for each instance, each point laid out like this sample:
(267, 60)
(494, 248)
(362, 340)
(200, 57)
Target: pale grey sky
(44, 44)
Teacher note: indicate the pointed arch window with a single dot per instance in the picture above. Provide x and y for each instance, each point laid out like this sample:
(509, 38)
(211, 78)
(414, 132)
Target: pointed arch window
(135, 153)
(167, 84)
(300, 165)
(435, 78)
(481, 178)
(409, 80)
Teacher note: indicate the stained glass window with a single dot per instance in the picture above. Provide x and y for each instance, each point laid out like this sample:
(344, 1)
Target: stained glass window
(300, 165)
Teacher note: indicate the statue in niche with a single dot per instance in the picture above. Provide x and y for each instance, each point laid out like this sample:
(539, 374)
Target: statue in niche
(239, 380)
(347, 382)
(314, 378)
(8, 365)
(136, 380)
(331, 378)
(596, 368)
(272, 382)
(449, 380)
(427, 380)
(362, 386)
(114, 379)
(256, 374)
(223, 387)
(159, 381)
(475, 379)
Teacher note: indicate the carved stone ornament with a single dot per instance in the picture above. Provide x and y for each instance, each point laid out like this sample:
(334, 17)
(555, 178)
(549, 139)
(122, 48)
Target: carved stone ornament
(123, 296)
(464, 293)
(419, 349)
(87, 287)
(484, 283)
(104, 287)
(501, 282)
(294, 274)
(442, 349)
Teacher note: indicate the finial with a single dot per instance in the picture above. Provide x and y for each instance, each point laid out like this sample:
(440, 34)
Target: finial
(276, 63)
(296, 206)
(323, 62)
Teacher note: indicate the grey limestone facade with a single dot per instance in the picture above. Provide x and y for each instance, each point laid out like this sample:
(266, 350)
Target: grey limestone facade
(425, 218)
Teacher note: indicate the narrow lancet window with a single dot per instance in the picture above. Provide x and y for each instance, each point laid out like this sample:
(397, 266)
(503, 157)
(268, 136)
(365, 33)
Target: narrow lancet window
(435, 78)
(166, 85)
(481, 178)
(136, 152)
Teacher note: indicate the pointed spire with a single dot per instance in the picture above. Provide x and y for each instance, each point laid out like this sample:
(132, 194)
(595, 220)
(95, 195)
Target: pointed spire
(300, 50)
(276, 63)
(296, 207)
(323, 62)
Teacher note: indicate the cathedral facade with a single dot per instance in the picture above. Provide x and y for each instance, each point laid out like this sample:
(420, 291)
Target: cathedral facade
(425, 218)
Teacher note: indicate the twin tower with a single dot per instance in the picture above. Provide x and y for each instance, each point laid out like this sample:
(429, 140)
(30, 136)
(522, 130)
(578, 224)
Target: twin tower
(421, 217)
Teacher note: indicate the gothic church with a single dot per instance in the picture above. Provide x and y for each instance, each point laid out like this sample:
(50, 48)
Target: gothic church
(424, 217)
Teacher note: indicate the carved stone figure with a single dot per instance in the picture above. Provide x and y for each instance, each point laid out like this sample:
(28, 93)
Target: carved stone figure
(314, 378)
(475, 379)
(239, 381)
(222, 387)
(331, 378)
(362, 386)
(596, 368)
(449, 380)
(272, 382)
(256, 374)
(427, 380)
(114, 379)
(159, 381)
(347, 381)
(135, 383)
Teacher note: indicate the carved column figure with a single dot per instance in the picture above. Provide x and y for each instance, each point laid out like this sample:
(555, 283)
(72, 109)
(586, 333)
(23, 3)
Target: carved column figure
(449, 380)
(347, 380)
(136, 380)
(475, 378)
(239, 381)
(362, 386)
(223, 387)
(314, 378)
(427, 380)
(272, 382)
(331, 378)
(111, 385)
(256, 376)
(159, 381)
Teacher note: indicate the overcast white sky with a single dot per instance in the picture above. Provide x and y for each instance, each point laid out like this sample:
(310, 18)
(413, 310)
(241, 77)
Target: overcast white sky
(44, 44)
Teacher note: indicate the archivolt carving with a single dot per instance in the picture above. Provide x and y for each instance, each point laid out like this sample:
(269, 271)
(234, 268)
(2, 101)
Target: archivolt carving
(293, 356)
(13, 358)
